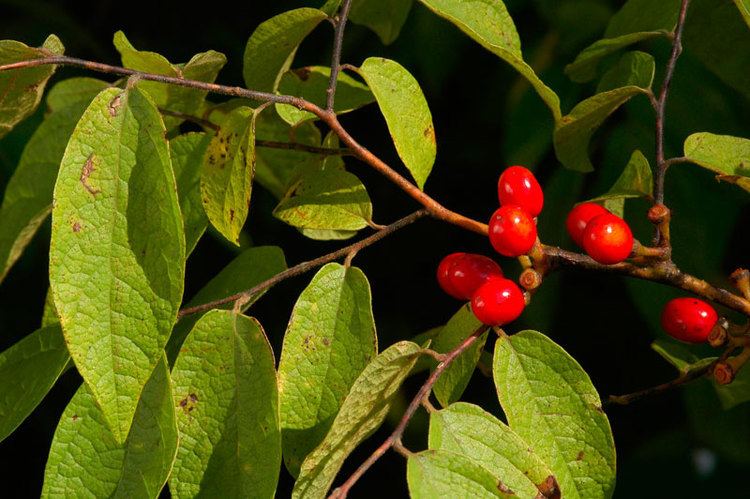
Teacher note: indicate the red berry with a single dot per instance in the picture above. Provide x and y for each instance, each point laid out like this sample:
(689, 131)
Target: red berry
(688, 319)
(512, 231)
(498, 301)
(607, 239)
(579, 217)
(460, 274)
(517, 185)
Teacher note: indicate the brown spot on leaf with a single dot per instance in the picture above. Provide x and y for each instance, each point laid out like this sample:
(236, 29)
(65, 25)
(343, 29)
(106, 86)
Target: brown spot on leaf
(231, 214)
(114, 105)
(548, 489)
(75, 417)
(86, 171)
(302, 73)
(326, 341)
(188, 403)
(580, 455)
(504, 488)
(429, 133)
(77, 227)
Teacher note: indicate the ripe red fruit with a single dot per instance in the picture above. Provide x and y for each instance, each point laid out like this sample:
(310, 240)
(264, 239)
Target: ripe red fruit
(579, 217)
(518, 186)
(688, 319)
(498, 301)
(460, 274)
(607, 239)
(512, 231)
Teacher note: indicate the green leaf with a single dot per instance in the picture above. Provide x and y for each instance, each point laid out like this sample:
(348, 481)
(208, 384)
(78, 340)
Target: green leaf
(679, 355)
(635, 180)
(726, 155)
(248, 269)
(550, 402)
(21, 89)
(227, 174)
(573, 132)
(488, 23)
(720, 39)
(86, 456)
(276, 169)
(744, 7)
(454, 380)
(187, 153)
(202, 67)
(117, 256)
(326, 200)
(737, 392)
(331, 7)
(28, 370)
(227, 407)
(311, 84)
(271, 47)
(28, 196)
(432, 474)
(469, 430)
(384, 17)
(406, 113)
(49, 314)
(633, 69)
(329, 341)
(361, 413)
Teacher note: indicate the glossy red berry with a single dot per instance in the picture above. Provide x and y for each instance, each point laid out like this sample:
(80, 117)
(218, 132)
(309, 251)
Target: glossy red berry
(579, 217)
(498, 301)
(518, 186)
(607, 239)
(512, 231)
(460, 274)
(688, 319)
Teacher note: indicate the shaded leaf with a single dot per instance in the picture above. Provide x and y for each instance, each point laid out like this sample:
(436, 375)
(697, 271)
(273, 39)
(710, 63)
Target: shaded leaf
(406, 113)
(329, 341)
(326, 200)
(454, 380)
(744, 7)
(202, 67)
(488, 23)
(438, 473)
(469, 430)
(49, 314)
(384, 17)
(86, 456)
(726, 155)
(28, 370)
(117, 255)
(361, 413)
(311, 84)
(271, 47)
(635, 180)
(187, 152)
(573, 132)
(633, 69)
(249, 268)
(550, 403)
(679, 355)
(227, 408)
(21, 89)
(737, 392)
(227, 174)
(28, 197)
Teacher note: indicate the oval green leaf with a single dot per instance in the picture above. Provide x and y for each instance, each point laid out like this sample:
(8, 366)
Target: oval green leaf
(726, 155)
(227, 407)
(406, 113)
(117, 256)
(28, 370)
(361, 413)
(187, 153)
(551, 404)
(28, 197)
(271, 47)
(633, 69)
(21, 89)
(328, 342)
(86, 456)
(476, 434)
(635, 181)
(384, 17)
(227, 174)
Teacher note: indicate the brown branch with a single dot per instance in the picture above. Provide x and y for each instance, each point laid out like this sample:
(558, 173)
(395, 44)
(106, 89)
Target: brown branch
(303, 267)
(189, 117)
(394, 440)
(660, 106)
(658, 389)
(295, 146)
(338, 42)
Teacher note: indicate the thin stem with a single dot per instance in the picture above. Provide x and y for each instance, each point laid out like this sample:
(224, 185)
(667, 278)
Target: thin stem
(660, 106)
(295, 146)
(338, 41)
(303, 267)
(658, 389)
(394, 440)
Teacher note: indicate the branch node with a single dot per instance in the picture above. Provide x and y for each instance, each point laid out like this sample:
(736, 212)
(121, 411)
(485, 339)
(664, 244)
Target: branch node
(717, 338)
(530, 279)
(741, 280)
(399, 447)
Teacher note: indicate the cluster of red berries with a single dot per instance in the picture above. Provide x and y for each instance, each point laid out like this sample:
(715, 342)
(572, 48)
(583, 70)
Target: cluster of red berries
(606, 237)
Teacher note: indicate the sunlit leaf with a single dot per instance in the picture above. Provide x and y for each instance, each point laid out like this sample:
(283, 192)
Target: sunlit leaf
(187, 153)
(726, 155)
(439, 473)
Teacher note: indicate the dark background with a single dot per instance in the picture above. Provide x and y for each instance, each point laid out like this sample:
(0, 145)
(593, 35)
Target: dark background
(680, 444)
